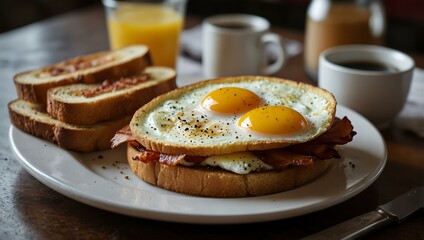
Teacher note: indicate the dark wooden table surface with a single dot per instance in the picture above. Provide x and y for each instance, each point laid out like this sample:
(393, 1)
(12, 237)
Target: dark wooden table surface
(30, 210)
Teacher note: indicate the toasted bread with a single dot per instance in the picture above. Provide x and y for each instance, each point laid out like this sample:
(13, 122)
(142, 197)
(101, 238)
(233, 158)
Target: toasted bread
(31, 118)
(68, 104)
(33, 85)
(202, 181)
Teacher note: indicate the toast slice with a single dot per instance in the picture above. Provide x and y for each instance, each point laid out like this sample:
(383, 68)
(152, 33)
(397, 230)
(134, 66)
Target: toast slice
(33, 85)
(31, 118)
(208, 182)
(91, 103)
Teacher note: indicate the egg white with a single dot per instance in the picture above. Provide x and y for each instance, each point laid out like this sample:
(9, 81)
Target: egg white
(239, 162)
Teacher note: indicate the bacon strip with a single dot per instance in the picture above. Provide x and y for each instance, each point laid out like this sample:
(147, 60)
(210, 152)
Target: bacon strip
(320, 151)
(341, 132)
(147, 156)
(123, 135)
(300, 155)
(280, 158)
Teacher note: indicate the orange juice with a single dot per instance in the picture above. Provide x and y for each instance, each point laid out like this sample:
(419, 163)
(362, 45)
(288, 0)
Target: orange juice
(156, 26)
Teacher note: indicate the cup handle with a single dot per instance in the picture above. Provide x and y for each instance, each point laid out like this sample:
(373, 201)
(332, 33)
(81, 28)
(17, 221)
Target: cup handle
(272, 38)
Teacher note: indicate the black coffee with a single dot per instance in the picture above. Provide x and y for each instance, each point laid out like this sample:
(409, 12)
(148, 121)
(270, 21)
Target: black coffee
(234, 25)
(369, 66)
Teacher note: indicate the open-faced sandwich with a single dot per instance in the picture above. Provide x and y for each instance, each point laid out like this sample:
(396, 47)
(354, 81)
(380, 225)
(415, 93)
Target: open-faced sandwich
(235, 137)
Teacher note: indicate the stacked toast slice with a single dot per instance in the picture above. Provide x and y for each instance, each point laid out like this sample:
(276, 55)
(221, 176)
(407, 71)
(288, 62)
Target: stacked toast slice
(80, 103)
(33, 85)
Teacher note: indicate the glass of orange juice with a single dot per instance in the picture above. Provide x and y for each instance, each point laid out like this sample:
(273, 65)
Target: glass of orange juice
(155, 23)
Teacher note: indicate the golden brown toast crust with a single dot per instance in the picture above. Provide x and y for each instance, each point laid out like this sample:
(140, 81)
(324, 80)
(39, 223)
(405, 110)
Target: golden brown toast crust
(33, 88)
(202, 181)
(31, 118)
(64, 107)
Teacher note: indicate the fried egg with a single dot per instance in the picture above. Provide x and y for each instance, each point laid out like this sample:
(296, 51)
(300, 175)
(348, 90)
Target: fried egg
(239, 162)
(218, 116)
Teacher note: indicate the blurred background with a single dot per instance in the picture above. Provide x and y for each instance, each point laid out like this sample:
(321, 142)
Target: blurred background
(405, 18)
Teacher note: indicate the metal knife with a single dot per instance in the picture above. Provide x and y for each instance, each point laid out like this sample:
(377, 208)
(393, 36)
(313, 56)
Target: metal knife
(394, 211)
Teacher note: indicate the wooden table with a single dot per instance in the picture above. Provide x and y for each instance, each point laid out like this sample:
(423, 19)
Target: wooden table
(30, 210)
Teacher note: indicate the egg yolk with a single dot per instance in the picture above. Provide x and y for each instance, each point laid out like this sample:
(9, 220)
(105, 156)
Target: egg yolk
(273, 120)
(230, 100)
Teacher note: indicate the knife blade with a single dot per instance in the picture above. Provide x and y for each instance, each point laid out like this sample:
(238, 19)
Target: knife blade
(395, 211)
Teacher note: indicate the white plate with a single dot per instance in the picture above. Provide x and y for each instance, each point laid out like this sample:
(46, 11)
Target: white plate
(104, 180)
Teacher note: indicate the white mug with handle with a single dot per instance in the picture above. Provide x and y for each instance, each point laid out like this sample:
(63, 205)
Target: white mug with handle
(235, 44)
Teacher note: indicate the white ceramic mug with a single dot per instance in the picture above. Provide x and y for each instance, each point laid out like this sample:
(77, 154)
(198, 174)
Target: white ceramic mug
(369, 79)
(234, 44)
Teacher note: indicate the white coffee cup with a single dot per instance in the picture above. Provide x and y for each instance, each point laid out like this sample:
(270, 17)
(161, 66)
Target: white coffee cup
(234, 44)
(378, 93)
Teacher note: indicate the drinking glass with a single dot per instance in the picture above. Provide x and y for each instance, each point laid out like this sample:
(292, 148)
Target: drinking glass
(157, 24)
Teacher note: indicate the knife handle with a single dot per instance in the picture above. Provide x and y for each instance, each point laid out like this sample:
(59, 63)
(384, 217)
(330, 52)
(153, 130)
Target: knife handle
(355, 227)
